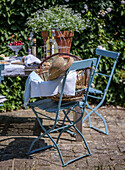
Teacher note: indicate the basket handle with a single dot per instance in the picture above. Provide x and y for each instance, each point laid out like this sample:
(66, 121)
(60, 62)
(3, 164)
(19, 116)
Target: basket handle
(71, 55)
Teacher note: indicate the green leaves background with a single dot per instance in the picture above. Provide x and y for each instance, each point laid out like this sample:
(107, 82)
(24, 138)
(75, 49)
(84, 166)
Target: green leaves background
(107, 31)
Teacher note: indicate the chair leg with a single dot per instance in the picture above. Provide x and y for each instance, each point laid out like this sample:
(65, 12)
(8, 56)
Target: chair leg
(46, 132)
(65, 129)
(88, 116)
(30, 151)
(105, 124)
(77, 158)
(68, 131)
(46, 147)
(55, 143)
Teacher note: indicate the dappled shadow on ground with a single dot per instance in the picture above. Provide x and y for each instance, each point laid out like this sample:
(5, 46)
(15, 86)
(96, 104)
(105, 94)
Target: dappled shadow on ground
(19, 126)
(17, 134)
(16, 137)
(16, 147)
(23, 126)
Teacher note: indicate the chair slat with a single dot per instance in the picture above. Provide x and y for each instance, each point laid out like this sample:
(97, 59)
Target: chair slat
(95, 97)
(106, 53)
(83, 64)
(102, 74)
(96, 91)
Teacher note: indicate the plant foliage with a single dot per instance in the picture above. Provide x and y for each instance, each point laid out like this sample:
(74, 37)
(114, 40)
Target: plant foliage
(60, 17)
(107, 29)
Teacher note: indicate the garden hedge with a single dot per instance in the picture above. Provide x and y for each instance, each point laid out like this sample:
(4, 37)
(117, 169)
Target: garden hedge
(107, 29)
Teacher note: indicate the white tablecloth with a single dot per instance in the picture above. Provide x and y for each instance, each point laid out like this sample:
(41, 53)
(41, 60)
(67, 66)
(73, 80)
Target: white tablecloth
(17, 69)
(13, 69)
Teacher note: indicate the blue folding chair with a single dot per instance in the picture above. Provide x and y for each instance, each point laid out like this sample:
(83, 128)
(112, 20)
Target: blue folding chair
(52, 106)
(1, 77)
(99, 94)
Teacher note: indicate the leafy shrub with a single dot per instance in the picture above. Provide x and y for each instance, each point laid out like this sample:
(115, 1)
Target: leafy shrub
(107, 29)
(13, 89)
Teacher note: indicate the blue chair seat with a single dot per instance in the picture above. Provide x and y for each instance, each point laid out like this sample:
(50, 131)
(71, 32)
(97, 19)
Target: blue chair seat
(50, 105)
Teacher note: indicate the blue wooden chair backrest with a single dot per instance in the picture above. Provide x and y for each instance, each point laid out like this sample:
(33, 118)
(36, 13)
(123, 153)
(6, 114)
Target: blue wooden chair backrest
(78, 65)
(109, 54)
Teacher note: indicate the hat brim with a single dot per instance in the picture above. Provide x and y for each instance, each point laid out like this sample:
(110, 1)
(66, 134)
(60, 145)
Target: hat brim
(61, 70)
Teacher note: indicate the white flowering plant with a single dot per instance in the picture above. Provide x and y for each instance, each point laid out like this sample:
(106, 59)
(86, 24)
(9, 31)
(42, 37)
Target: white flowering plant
(60, 17)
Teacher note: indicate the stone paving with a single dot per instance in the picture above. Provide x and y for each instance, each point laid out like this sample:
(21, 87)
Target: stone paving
(19, 128)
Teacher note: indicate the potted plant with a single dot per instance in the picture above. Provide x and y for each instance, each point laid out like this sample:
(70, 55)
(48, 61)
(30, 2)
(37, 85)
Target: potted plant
(61, 17)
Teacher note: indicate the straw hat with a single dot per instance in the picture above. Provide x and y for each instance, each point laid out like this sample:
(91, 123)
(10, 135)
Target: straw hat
(59, 66)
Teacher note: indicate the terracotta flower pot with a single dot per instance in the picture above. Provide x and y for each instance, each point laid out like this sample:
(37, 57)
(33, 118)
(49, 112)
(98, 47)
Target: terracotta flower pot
(63, 39)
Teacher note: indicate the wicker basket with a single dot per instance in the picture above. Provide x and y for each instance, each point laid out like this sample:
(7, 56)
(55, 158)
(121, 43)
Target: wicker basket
(81, 82)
